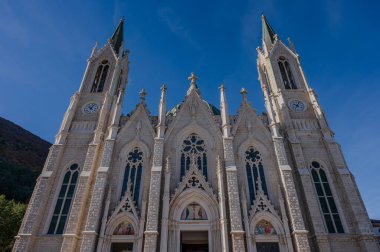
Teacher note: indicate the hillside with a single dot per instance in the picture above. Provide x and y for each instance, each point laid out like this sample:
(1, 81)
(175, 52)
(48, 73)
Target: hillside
(22, 156)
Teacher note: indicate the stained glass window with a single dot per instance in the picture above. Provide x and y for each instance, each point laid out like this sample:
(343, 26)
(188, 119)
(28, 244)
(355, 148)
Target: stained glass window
(132, 173)
(63, 205)
(326, 199)
(100, 77)
(195, 146)
(255, 172)
(286, 74)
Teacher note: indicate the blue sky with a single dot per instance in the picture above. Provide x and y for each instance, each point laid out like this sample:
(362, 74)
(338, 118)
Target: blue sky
(44, 47)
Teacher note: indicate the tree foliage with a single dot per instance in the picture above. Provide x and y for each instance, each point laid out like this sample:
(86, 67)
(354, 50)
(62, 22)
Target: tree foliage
(11, 214)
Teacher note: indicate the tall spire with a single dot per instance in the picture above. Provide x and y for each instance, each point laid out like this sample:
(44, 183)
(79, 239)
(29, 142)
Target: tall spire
(117, 38)
(268, 35)
(224, 113)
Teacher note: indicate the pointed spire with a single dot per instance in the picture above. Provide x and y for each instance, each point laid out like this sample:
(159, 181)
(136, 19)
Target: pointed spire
(268, 35)
(161, 113)
(224, 113)
(117, 38)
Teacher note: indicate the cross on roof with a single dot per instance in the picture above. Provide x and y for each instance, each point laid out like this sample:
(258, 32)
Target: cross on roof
(192, 78)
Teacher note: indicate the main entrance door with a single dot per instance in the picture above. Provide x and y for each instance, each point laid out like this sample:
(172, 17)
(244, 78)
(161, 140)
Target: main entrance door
(194, 241)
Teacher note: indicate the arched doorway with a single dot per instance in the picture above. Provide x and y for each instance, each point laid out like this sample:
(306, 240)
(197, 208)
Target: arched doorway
(120, 235)
(194, 224)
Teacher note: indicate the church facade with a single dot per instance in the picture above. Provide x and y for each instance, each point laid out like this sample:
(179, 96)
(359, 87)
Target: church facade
(194, 178)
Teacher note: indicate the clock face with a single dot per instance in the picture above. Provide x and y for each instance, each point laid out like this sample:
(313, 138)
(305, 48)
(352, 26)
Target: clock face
(297, 105)
(90, 108)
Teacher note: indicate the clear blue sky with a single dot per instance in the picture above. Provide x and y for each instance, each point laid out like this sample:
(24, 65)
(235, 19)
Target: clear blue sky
(44, 47)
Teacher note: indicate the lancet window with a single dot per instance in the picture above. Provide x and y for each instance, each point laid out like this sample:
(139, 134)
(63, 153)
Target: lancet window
(132, 173)
(100, 77)
(326, 199)
(286, 73)
(255, 172)
(63, 205)
(193, 147)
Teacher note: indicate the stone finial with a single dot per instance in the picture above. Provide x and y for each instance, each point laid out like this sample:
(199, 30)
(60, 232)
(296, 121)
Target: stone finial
(244, 93)
(163, 88)
(142, 94)
(222, 88)
(192, 78)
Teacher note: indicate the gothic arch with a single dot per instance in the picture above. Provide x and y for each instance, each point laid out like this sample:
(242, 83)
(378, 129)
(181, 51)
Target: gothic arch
(123, 154)
(280, 236)
(53, 202)
(106, 238)
(209, 204)
(211, 225)
(119, 218)
(269, 164)
(332, 185)
(210, 142)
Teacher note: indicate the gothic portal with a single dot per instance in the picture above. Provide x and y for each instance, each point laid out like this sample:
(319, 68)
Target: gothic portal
(195, 178)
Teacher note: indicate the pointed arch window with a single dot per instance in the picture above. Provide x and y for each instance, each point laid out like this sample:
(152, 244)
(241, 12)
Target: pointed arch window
(100, 77)
(326, 199)
(65, 197)
(195, 146)
(286, 73)
(255, 172)
(132, 173)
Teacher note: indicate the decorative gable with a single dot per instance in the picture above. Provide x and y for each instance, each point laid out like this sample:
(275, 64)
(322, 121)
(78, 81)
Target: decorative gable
(194, 179)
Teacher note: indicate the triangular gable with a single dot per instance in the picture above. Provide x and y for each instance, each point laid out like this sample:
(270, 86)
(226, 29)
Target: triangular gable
(193, 106)
(247, 114)
(194, 179)
(126, 204)
(141, 114)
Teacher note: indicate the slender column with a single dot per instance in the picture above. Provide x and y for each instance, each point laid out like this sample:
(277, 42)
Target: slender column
(299, 231)
(246, 220)
(222, 207)
(90, 232)
(165, 208)
(151, 231)
(237, 231)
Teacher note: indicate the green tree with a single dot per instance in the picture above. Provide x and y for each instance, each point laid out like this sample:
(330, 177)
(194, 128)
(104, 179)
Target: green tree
(11, 214)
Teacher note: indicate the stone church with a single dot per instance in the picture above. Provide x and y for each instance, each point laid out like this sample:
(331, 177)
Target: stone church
(194, 177)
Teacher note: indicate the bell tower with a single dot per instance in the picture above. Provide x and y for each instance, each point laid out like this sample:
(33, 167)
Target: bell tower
(304, 142)
(78, 161)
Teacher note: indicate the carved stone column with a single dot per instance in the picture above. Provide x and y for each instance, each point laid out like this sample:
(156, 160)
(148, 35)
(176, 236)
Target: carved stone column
(151, 231)
(165, 209)
(299, 232)
(222, 208)
(90, 232)
(237, 231)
